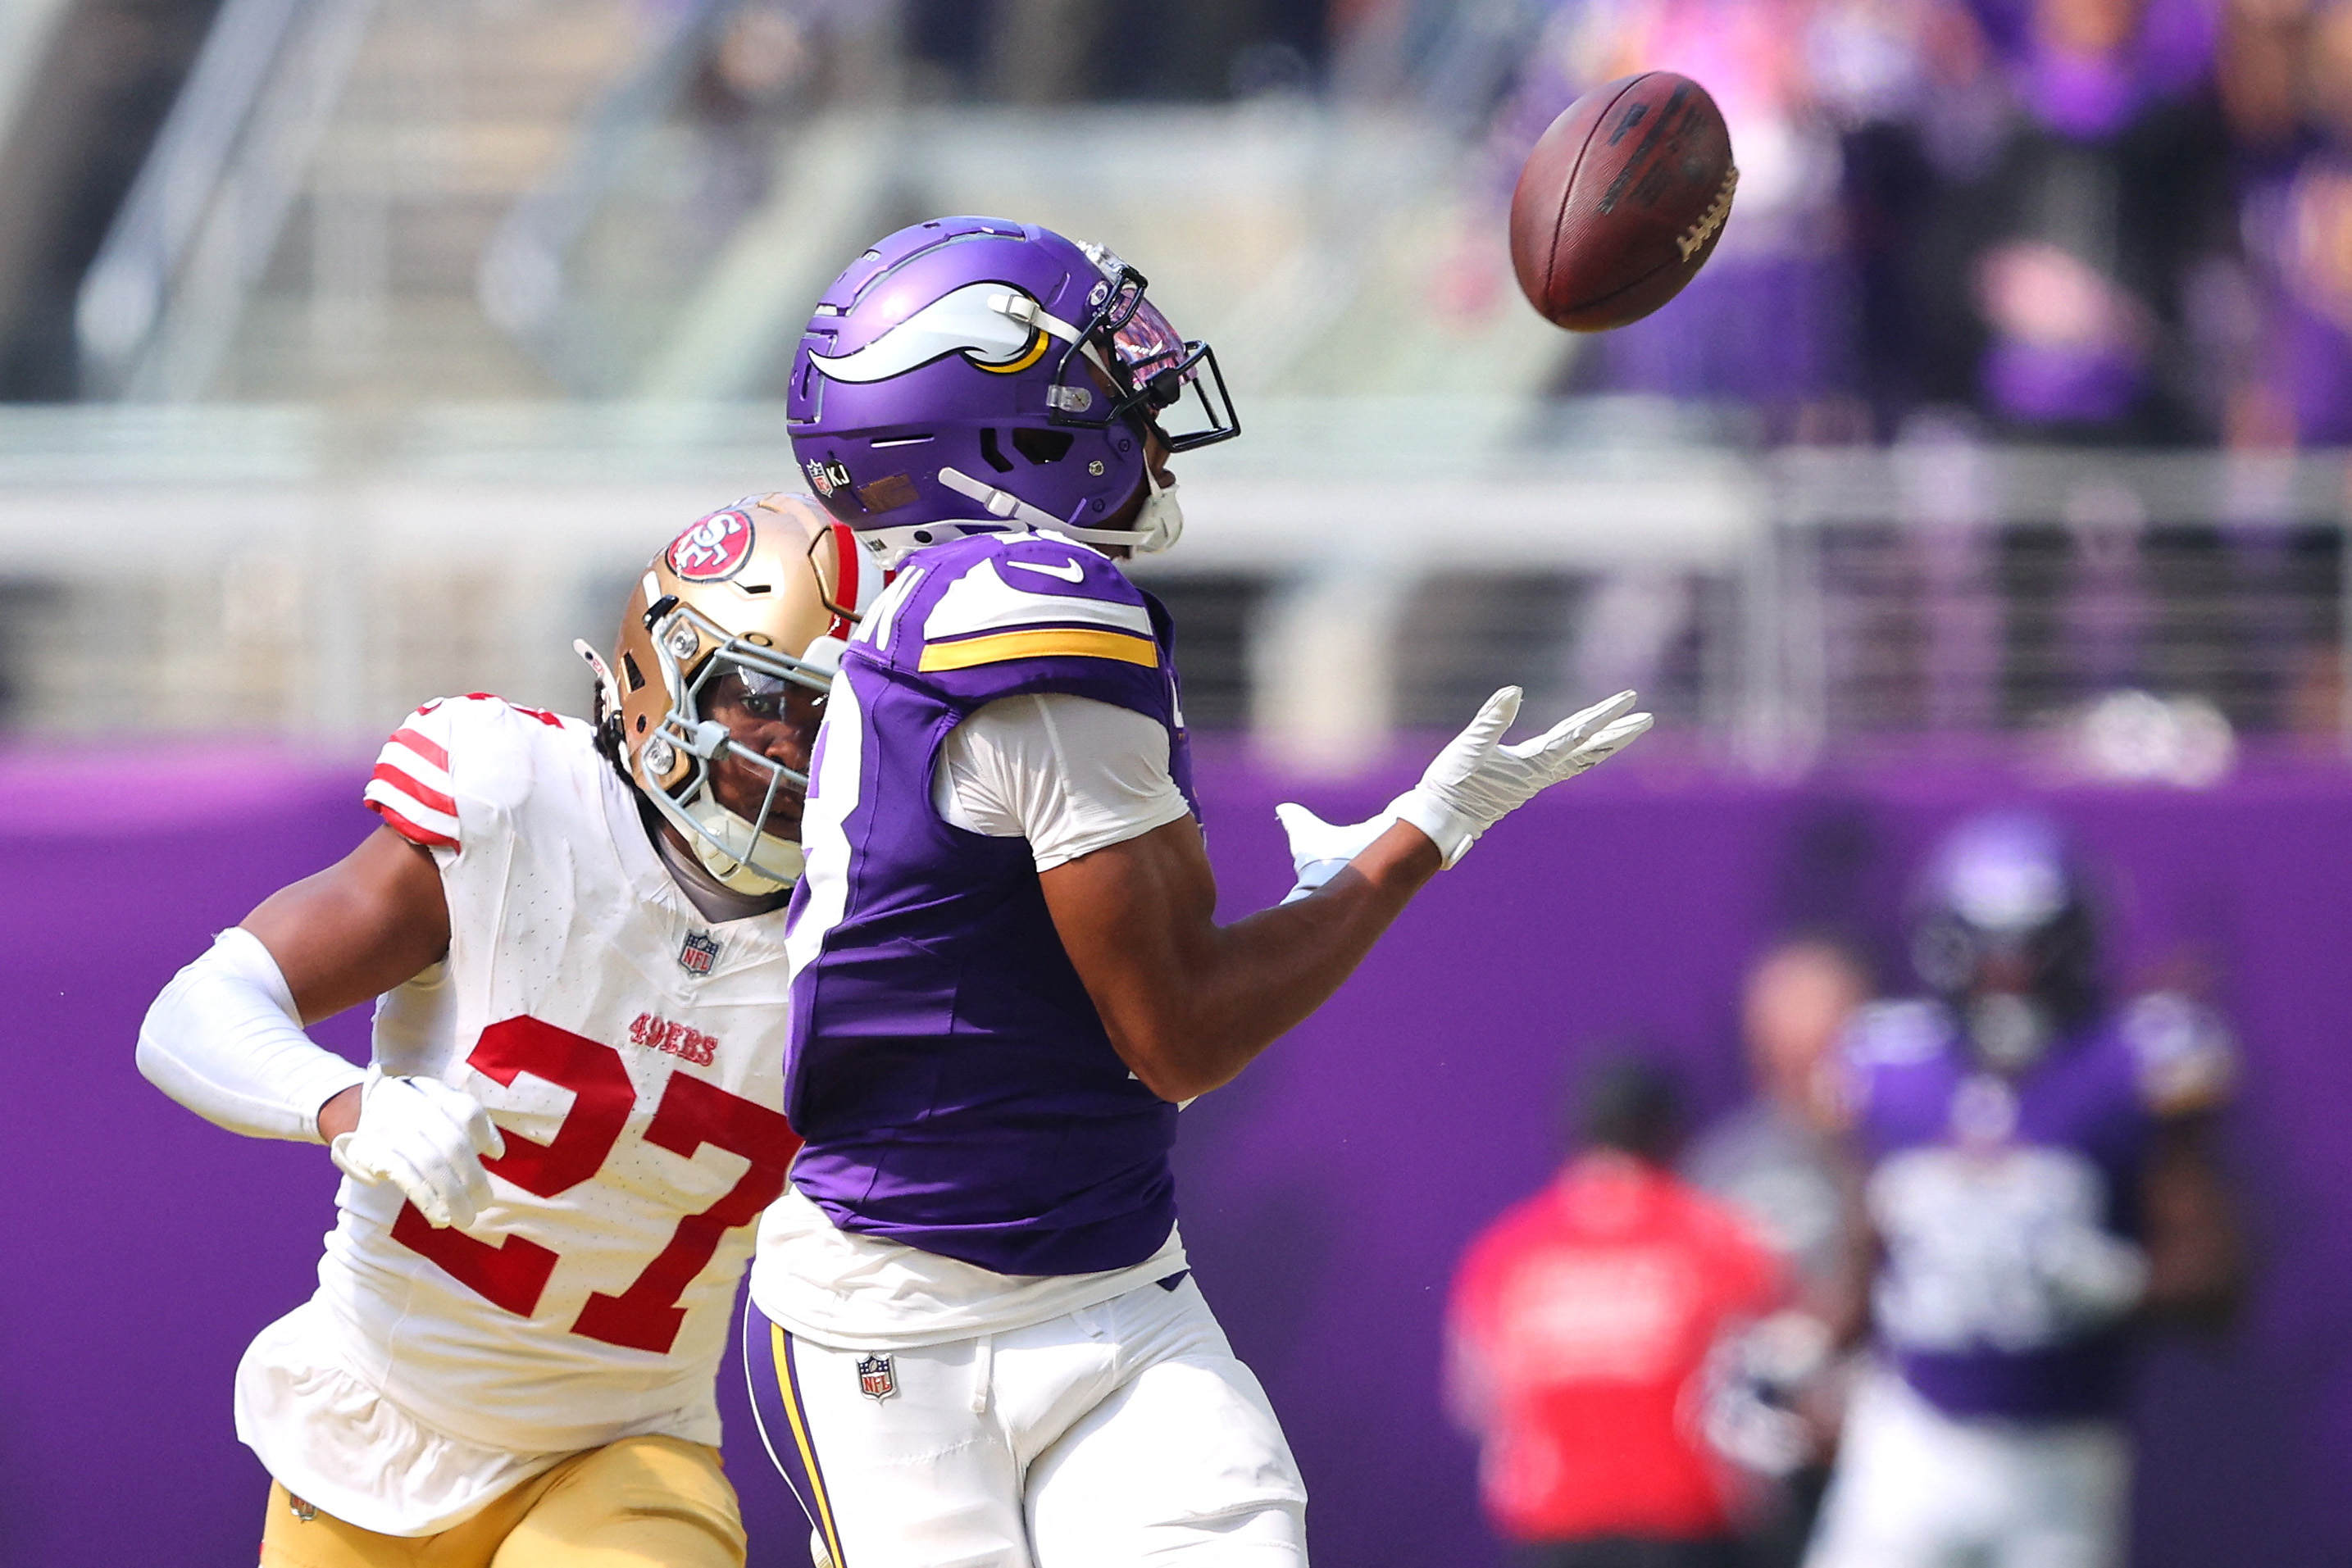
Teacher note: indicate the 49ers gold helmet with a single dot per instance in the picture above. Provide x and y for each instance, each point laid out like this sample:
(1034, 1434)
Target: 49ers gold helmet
(770, 589)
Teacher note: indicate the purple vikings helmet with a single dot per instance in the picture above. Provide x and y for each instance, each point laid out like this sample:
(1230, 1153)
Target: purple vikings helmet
(2005, 933)
(976, 375)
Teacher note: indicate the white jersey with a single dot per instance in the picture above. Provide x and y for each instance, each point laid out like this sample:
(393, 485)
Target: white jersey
(631, 1054)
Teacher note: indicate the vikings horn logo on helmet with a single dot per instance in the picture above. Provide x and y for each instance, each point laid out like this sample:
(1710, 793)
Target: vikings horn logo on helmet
(978, 321)
(1012, 377)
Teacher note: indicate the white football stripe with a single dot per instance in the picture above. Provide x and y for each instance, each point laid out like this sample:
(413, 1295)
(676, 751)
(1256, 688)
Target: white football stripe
(961, 320)
(411, 809)
(982, 600)
(824, 837)
(431, 775)
(877, 624)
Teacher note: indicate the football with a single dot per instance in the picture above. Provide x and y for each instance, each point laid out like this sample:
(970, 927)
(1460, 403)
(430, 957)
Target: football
(1621, 201)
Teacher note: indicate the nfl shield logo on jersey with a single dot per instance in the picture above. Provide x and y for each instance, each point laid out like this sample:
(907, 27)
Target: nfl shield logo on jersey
(876, 1380)
(702, 951)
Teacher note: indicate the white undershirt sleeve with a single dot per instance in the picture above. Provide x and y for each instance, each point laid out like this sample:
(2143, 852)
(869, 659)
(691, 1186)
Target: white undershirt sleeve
(224, 1040)
(1069, 774)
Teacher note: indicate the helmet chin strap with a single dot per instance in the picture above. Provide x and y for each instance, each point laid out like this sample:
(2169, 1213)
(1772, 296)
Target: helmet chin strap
(1158, 525)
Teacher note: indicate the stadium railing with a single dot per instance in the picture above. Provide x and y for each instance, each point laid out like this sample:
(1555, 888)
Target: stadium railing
(1351, 570)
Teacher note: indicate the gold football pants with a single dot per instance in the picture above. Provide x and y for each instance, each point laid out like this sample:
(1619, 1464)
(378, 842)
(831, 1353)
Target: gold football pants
(642, 1503)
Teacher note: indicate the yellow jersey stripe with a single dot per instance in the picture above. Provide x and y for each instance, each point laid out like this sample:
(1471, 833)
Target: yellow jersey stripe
(1043, 643)
(782, 1358)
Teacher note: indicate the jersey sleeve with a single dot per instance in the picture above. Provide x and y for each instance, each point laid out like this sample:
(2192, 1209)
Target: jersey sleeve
(2183, 1058)
(1069, 774)
(479, 748)
(411, 788)
(998, 617)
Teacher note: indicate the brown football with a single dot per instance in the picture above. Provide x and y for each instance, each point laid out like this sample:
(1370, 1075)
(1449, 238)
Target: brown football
(1621, 201)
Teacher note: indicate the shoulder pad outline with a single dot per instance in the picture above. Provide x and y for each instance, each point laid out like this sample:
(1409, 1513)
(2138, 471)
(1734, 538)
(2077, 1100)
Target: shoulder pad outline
(1029, 598)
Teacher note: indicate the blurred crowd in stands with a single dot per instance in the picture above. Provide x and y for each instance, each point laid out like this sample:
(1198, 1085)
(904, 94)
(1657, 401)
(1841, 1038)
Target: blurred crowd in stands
(2123, 221)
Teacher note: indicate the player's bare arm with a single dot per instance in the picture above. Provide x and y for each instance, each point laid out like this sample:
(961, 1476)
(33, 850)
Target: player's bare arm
(1189, 1003)
(2196, 1253)
(375, 919)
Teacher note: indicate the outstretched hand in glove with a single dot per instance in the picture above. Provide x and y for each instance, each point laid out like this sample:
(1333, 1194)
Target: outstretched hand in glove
(1472, 784)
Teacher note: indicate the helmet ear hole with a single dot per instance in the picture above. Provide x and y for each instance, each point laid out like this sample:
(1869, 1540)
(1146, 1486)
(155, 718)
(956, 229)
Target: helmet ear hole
(992, 452)
(1041, 446)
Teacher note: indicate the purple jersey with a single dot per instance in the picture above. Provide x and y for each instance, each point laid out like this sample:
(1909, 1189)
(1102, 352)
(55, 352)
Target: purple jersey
(948, 1071)
(1997, 1200)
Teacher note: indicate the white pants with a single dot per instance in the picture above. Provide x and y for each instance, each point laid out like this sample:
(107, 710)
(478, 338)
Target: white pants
(1123, 1433)
(1915, 1487)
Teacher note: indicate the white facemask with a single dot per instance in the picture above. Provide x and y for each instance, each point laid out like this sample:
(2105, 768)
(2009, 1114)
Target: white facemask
(738, 846)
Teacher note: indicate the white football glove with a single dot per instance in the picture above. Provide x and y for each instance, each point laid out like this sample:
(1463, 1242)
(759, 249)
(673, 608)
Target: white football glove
(1477, 780)
(1319, 849)
(426, 1139)
(1474, 783)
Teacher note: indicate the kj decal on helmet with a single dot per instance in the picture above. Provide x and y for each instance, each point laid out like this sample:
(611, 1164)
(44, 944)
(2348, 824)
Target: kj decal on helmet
(763, 594)
(979, 375)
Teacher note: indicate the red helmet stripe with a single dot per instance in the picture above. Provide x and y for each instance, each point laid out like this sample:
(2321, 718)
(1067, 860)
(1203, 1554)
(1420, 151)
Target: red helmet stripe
(846, 567)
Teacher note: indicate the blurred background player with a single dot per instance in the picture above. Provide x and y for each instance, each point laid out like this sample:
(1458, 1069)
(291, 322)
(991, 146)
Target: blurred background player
(977, 1338)
(1779, 1159)
(1582, 1327)
(576, 935)
(2042, 1181)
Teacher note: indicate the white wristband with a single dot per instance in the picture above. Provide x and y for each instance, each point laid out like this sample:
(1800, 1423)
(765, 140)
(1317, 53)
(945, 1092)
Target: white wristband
(224, 1040)
(1477, 780)
(1451, 830)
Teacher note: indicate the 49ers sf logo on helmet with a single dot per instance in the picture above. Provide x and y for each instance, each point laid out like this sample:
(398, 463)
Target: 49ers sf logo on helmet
(713, 549)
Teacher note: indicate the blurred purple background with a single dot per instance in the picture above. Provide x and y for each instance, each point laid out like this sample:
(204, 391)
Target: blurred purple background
(1326, 1193)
